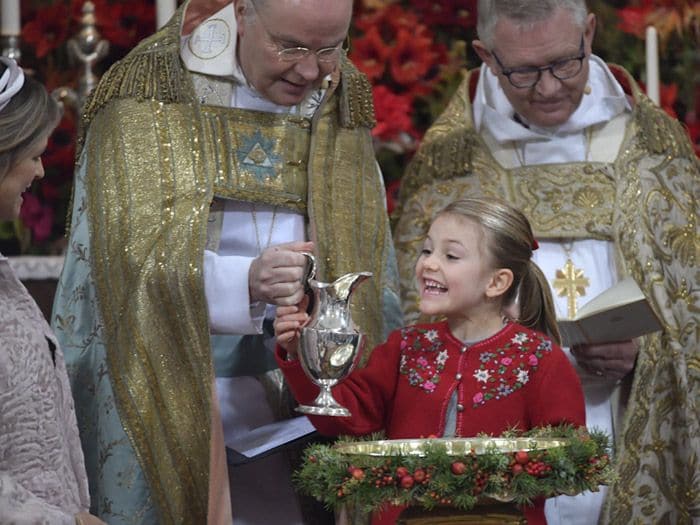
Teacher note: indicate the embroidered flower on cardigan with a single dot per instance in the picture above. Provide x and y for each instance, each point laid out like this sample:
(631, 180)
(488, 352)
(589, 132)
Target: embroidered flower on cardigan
(423, 357)
(509, 368)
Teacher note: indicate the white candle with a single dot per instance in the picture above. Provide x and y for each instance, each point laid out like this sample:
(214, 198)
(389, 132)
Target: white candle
(164, 10)
(9, 18)
(652, 52)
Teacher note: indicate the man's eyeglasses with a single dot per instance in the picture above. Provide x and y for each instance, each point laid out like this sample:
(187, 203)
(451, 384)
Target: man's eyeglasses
(526, 77)
(325, 55)
(295, 54)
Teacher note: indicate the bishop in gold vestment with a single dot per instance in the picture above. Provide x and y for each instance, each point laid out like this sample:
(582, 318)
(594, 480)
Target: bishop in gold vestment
(160, 152)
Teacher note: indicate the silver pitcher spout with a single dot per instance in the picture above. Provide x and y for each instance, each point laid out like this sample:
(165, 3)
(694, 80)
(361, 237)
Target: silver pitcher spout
(332, 301)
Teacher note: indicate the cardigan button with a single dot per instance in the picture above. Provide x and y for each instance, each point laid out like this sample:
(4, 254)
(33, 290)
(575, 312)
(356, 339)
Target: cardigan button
(464, 349)
(458, 377)
(460, 407)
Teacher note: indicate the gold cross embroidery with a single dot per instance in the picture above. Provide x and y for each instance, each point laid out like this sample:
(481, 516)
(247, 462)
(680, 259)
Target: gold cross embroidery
(570, 282)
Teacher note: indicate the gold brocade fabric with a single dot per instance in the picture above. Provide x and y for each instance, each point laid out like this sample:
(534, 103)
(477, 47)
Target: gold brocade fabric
(155, 160)
(646, 203)
(148, 210)
(258, 156)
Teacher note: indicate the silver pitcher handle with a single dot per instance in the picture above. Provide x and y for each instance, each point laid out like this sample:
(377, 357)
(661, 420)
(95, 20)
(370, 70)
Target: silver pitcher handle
(310, 267)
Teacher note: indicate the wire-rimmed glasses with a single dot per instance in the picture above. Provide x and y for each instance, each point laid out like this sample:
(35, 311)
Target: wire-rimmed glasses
(326, 55)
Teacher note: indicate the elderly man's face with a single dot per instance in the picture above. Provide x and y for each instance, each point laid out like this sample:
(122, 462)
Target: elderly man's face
(551, 101)
(279, 24)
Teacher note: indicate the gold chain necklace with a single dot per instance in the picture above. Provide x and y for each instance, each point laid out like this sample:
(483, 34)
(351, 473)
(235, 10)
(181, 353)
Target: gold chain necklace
(257, 232)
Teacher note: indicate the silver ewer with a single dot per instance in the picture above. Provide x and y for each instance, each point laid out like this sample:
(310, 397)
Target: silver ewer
(330, 344)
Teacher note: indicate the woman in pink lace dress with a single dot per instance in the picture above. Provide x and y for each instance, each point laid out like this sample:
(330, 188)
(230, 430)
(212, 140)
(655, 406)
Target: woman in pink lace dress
(42, 474)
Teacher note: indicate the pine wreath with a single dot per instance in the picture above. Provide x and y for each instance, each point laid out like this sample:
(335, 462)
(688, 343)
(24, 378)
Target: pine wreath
(438, 472)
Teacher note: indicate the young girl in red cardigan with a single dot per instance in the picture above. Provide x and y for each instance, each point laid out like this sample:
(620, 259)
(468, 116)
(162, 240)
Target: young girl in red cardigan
(474, 372)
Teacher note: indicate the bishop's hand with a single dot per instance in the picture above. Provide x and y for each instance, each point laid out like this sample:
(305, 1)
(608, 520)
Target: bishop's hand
(277, 275)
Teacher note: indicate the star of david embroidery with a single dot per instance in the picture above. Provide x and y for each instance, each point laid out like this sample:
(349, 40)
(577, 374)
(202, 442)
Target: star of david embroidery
(257, 156)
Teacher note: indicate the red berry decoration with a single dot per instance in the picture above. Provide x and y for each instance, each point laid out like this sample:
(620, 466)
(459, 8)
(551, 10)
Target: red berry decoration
(407, 481)
(401, 472)
(419, 475)
(517, 469)
(358, 474)
(458, 468)
(522, 457)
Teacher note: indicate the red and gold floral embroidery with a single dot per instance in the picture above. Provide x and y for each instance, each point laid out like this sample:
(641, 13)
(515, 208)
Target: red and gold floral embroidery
(509, 368)
(423, 357)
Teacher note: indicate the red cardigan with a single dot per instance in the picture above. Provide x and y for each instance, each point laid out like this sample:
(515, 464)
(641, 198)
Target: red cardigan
(515, 379)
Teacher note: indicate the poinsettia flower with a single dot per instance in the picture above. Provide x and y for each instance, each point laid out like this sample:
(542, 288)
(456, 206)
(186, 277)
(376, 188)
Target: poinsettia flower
(411, 57)
(454, 14)
(128, 22)
(369, 54)
(634, 20)
(393, 113)
(388, 21)
(398, 18)
(47, 30)
(426, 84)
(36, 216)
(61, 146)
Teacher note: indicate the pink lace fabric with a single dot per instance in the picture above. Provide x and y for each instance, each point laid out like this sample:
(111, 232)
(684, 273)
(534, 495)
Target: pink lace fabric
(42, 472)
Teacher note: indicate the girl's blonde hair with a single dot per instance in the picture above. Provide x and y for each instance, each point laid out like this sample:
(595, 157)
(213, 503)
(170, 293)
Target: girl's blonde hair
(509, 244)
(29, 117)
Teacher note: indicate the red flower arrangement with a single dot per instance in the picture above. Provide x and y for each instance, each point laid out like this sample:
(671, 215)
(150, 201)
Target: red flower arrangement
(411, 50)
(46, 29)
(406, 61)
(678, 25)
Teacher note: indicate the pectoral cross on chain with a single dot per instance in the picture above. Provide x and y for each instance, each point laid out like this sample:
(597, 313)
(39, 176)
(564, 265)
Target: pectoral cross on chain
(570, 282)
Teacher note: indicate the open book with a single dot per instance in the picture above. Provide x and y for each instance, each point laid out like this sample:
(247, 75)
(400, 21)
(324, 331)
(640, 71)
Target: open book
(619, 313)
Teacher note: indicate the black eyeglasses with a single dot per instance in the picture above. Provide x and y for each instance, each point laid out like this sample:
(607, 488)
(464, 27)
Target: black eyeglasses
(528, 76)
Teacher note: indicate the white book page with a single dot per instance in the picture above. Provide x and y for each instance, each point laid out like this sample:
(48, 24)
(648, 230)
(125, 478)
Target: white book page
(270, 436)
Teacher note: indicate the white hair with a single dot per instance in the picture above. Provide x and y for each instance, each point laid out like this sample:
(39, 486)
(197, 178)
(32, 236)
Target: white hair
(524, 13)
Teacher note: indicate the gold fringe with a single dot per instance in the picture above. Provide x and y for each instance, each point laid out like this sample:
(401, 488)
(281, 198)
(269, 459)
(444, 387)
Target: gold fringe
(132, 77)
(452, 156)
(356, 102)
(661, 134)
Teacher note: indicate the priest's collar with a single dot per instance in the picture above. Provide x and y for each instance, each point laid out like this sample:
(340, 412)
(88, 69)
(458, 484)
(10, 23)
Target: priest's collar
(211, 48)
(493, 111)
